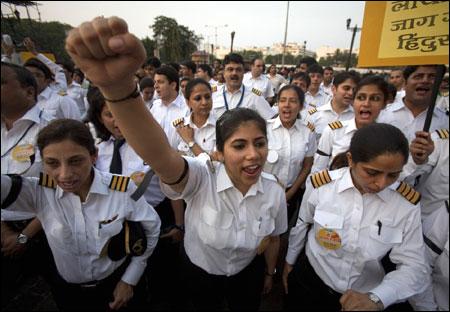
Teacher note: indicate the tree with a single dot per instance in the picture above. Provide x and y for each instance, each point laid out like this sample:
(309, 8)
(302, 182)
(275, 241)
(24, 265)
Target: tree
(149, 45)
(251, 54)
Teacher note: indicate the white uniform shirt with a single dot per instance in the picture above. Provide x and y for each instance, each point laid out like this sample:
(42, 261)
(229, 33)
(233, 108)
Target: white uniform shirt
(436, 230)
(75, 231)
(78, 94)
(325, 114)
(315, 101)
(223, 227)
(60, 83)
(277, 81)
(442, 103)
(205, 136)
(333, 142)
(250, 100)
(260, 83)
(166, 114)
(327, 90)
(58, 104)
(132, 166)
(288, 148)
(349, 222)
(400, 116)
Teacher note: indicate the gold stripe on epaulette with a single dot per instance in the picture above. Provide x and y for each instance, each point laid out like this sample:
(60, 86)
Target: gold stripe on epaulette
(312, 111)
(409, 193)
(214, 88)
(45, 180)
(320, 178)
(257, 92)
(443, 133)
(119, 183)
(335, 125)
(311, 126)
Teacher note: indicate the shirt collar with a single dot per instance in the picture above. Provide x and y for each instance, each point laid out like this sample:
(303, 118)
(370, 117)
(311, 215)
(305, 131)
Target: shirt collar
(33, 114)
(351, 126)
(46, 94)
(346, 182)
(98, 185)
(277, 123)
(211, 121)
(224, 182)
(237, 92)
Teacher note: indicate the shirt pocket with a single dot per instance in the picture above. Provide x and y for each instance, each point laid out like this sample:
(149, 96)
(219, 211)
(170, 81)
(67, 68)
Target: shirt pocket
(105, 232)
(382, 239)
(60, 235)
(215, 228)
(263, 226)
(328, 229)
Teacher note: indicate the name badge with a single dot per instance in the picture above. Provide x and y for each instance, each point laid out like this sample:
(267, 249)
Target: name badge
(272, 157)
(22, 153)
(328, 239)
(137, 177)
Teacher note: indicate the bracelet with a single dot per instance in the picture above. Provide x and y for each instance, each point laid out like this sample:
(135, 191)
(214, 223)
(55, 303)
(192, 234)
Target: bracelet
(132, 95)
(271, 274)
(183, 175)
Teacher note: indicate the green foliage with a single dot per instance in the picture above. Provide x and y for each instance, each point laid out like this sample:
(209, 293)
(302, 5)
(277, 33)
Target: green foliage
(176, 42)
(47, 36)
(248, 55)
(149, 45)
(338, 59)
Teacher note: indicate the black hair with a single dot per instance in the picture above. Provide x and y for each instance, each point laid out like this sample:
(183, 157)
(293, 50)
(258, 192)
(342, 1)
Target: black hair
(232, 119)
(206, 68)
(300, 93)
(33, 62)
(329, 68)
(191, 65)
(191, 85)
(59, 130)
(24, 77)
(153, 61)
(374, 80)
(411, 69)
(78, 72)
(343, 76)
(233, 58)
(96, 103)
(67, 66)
(171, 75)
(307, 60)
(176, 66)
(315, 69)
(392, 90)
(146, 82)
(372, 141)
(302, 76)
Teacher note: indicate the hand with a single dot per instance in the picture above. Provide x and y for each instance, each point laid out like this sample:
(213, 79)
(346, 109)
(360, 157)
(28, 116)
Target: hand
(8, 49)
(216, 156)
(289, 194)
(122, 294)
(268, 283)
(186, 133)
(10, 247)
(355, 301)
(29, 44)
(421, 147)
(107, 53)
(176, 235)
(287, 269)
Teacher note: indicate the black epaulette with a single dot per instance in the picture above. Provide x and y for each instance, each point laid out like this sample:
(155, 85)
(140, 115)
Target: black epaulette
(443, 133)
(409, 193)
(119, 183)
(257, 92)
(335, 125)
(320, 178)
(178, 122)
(311, 126)
(46, 181)
(312, 111)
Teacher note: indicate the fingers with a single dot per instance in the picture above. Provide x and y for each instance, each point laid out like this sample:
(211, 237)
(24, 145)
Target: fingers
(91, 47)
(101, 26)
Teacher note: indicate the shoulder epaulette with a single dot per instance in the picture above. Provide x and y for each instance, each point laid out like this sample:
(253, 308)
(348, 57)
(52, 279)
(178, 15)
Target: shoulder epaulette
(46, 181)
(312, 111)
(214, 88)
(443, 133)
(335, 125)
(320, 178)
(119, 183)
(257, 92)
(62, 93)
(178, 122)
(311, 126)
(409, 193)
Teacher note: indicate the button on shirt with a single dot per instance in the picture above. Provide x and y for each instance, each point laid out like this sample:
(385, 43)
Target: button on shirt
(333, 142)
(58, 106)
(223, 227)
(132, 165)
(351, 220)
(325, 115)
(291, 147)
(261, 83)
(166, 114)
(75, 231)
(400, 116)
(205, 136)
(250, 100)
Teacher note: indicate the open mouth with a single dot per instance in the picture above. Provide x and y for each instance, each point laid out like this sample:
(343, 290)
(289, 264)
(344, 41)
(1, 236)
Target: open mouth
(67, 185)
(422, 90)
(252, 170)
(365, 114)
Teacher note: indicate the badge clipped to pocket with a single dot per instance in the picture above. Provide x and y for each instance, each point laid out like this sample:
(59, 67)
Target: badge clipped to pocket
(22, 153)
(328, 239)
(137, 177)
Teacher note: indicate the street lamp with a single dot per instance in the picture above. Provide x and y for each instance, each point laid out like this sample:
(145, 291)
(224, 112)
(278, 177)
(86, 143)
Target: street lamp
(304, 48)
(354, 29)
(232, 40)
(215, 31)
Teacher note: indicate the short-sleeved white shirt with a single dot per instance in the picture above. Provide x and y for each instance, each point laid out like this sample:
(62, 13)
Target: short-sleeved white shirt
(58, 104)
(260, 83)
(205, 136)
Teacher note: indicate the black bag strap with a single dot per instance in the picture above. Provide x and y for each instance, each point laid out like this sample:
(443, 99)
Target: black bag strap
(16, 187)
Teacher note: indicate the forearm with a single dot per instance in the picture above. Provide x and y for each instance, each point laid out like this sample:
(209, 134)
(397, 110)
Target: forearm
(306, 169)
(197, 150)
(271, 253)
(178, 211)
(32, 228)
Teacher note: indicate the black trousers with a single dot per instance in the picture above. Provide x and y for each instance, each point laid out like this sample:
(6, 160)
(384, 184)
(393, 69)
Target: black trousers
(241, 291)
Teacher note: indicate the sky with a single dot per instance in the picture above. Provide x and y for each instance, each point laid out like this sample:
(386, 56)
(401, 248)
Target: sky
(258, 24)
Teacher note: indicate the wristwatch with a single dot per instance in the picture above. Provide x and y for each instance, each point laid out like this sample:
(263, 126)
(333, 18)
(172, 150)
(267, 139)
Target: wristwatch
(191, 144)
(374, 298)
(271, 274)
(22, 239)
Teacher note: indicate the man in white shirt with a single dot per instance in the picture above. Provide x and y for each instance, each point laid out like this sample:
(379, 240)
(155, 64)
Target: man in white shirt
(327, 83)
(74, 89)
(205, 72)
(396, 78)
(315, 96)
(256, 80)
(235, 94)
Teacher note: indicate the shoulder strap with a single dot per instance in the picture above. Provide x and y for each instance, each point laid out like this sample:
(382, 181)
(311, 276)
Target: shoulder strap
(409, 193)
(16, 187)
(335, 125)
(320, 178)
(46, 181)
(443, 133)
(119, 183)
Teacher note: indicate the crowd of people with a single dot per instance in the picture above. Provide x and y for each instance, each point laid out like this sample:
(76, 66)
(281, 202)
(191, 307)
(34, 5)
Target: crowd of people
(131, 184)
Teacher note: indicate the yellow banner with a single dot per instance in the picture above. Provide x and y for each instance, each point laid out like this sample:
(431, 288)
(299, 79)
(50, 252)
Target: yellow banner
(404, 33)
(25, 56)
